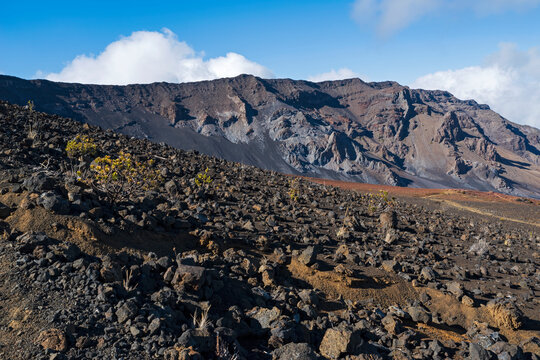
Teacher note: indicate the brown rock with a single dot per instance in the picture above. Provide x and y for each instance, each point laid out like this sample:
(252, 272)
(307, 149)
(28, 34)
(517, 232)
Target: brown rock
(388, 220)
(169, 274)
(505, 314)
(190, 276)
(53, 339)
(337, 342)
(342, 251)
(83, 342)
(390, 237)
(391, 266)
(308, 256)
(466, 300)
(456, 288)
(268, 278)
(391, 324)
(265, 316)
(111, 272)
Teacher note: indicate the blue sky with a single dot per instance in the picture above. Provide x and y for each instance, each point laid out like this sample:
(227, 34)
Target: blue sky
(488, 46)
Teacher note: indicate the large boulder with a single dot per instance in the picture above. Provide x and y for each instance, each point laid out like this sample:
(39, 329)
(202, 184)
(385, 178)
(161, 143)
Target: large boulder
(263, 317)
(127, 311)
(51, 201)
(505, 314)
(337, 342)
(38, 182)
(53, 339)
(189, 277)
(309, 255)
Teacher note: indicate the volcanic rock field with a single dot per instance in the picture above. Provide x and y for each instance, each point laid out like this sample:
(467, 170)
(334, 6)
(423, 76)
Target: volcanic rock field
(251, 264)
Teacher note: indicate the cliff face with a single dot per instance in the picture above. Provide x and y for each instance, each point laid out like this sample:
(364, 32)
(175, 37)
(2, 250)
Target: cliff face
(350, 130)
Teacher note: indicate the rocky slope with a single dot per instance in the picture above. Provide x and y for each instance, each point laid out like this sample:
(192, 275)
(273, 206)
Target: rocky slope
(349, 130)
(255, 265)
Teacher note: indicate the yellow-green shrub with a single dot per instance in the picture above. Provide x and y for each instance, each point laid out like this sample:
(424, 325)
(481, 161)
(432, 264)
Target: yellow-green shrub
(379, 200)
(294, 189)
(81, 146)
(123, 177)
(203, 178)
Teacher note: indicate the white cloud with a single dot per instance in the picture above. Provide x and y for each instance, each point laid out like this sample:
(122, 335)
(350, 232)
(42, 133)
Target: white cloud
(340, 74)
(508, 81)
(390, 16)
(150, 56)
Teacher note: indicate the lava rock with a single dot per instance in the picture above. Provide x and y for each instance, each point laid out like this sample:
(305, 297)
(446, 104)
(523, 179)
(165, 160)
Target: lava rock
(126, 311)
(51, 201)
(419, 314)
(455, 288)
(338, 342)
(264, 317)
(4, 211)
(293, 351)
(189, 276)
(391, 266)
(38, 182)
(309, 255)
(53, 339)
(427, 274)
(388, 220)
(476, 352)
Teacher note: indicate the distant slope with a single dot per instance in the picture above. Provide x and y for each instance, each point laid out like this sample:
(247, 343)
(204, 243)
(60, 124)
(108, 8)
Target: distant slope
(347, 130)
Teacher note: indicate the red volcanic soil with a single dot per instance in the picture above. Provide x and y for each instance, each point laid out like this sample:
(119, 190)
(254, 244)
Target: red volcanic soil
(421, 192)
(491, 204)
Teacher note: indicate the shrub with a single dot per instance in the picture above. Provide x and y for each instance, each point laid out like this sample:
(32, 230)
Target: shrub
(294, 189)
(381, 200)
(80, 147)
(203, 178)
(32, 123)
(123, 177)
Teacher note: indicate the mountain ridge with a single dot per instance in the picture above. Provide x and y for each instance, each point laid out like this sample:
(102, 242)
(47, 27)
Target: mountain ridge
(346, 130)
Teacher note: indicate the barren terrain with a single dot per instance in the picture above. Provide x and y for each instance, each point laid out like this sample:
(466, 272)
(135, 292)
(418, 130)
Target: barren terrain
(254, 264)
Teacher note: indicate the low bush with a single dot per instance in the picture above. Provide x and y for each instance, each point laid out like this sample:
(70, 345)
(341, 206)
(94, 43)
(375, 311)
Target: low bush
(80, 147)
(123, 177)
(203, 179)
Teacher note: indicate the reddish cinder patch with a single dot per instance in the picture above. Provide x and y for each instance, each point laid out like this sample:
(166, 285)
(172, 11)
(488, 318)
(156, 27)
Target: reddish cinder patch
(451, 194)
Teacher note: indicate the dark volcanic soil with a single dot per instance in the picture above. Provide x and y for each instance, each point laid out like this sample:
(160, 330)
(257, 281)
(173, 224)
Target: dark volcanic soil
(255, 265)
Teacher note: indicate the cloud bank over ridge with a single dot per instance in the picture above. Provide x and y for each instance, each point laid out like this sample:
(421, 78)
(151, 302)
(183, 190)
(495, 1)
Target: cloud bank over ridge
(151, 56)
(508, 81)
(340, 74)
